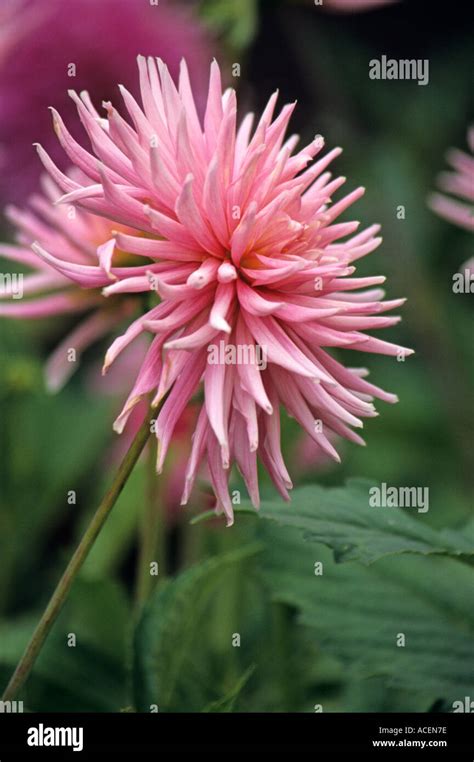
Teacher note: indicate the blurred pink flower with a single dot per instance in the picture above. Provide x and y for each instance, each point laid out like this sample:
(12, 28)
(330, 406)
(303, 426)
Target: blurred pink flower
(460, 184)
(49, 46)
(80, 240)
(250, 263)
(307, 457)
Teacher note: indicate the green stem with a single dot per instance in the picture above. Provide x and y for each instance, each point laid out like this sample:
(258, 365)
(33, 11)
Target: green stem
(60, 594)
(153, 533)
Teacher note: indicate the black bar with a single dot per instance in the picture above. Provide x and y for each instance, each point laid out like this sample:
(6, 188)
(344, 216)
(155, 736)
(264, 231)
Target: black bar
(444, 735)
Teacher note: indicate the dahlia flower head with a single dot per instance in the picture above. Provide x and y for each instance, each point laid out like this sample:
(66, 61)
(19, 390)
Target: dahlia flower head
(48, 46)
(458, 207)
(254, 272)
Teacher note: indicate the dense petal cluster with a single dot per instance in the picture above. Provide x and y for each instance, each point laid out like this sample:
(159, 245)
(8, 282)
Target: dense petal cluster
(459, 183)
(77, 239)
(255, 273)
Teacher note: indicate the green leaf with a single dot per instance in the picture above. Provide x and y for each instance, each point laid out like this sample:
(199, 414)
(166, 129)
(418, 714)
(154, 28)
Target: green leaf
(358, 613)
(342, 518)
(166, 652)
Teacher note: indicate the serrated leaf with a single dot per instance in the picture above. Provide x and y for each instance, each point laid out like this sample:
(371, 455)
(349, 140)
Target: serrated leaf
(164, 638)
(358, 613)
(342, 518)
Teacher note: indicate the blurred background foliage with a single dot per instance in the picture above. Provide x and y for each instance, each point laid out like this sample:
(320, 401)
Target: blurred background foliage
(305, 640)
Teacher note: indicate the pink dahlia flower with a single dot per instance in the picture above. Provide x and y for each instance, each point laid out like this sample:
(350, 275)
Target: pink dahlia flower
(459, 184)
(254, 270)
(77, 239)
(47, 46)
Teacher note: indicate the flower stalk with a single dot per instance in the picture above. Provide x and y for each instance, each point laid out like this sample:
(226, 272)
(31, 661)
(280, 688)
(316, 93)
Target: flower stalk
(63, 588)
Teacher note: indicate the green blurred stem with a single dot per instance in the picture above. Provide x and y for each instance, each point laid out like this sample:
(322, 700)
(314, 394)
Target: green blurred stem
(282, 649)
(192, 539)
(59, 596)
(153, 532)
